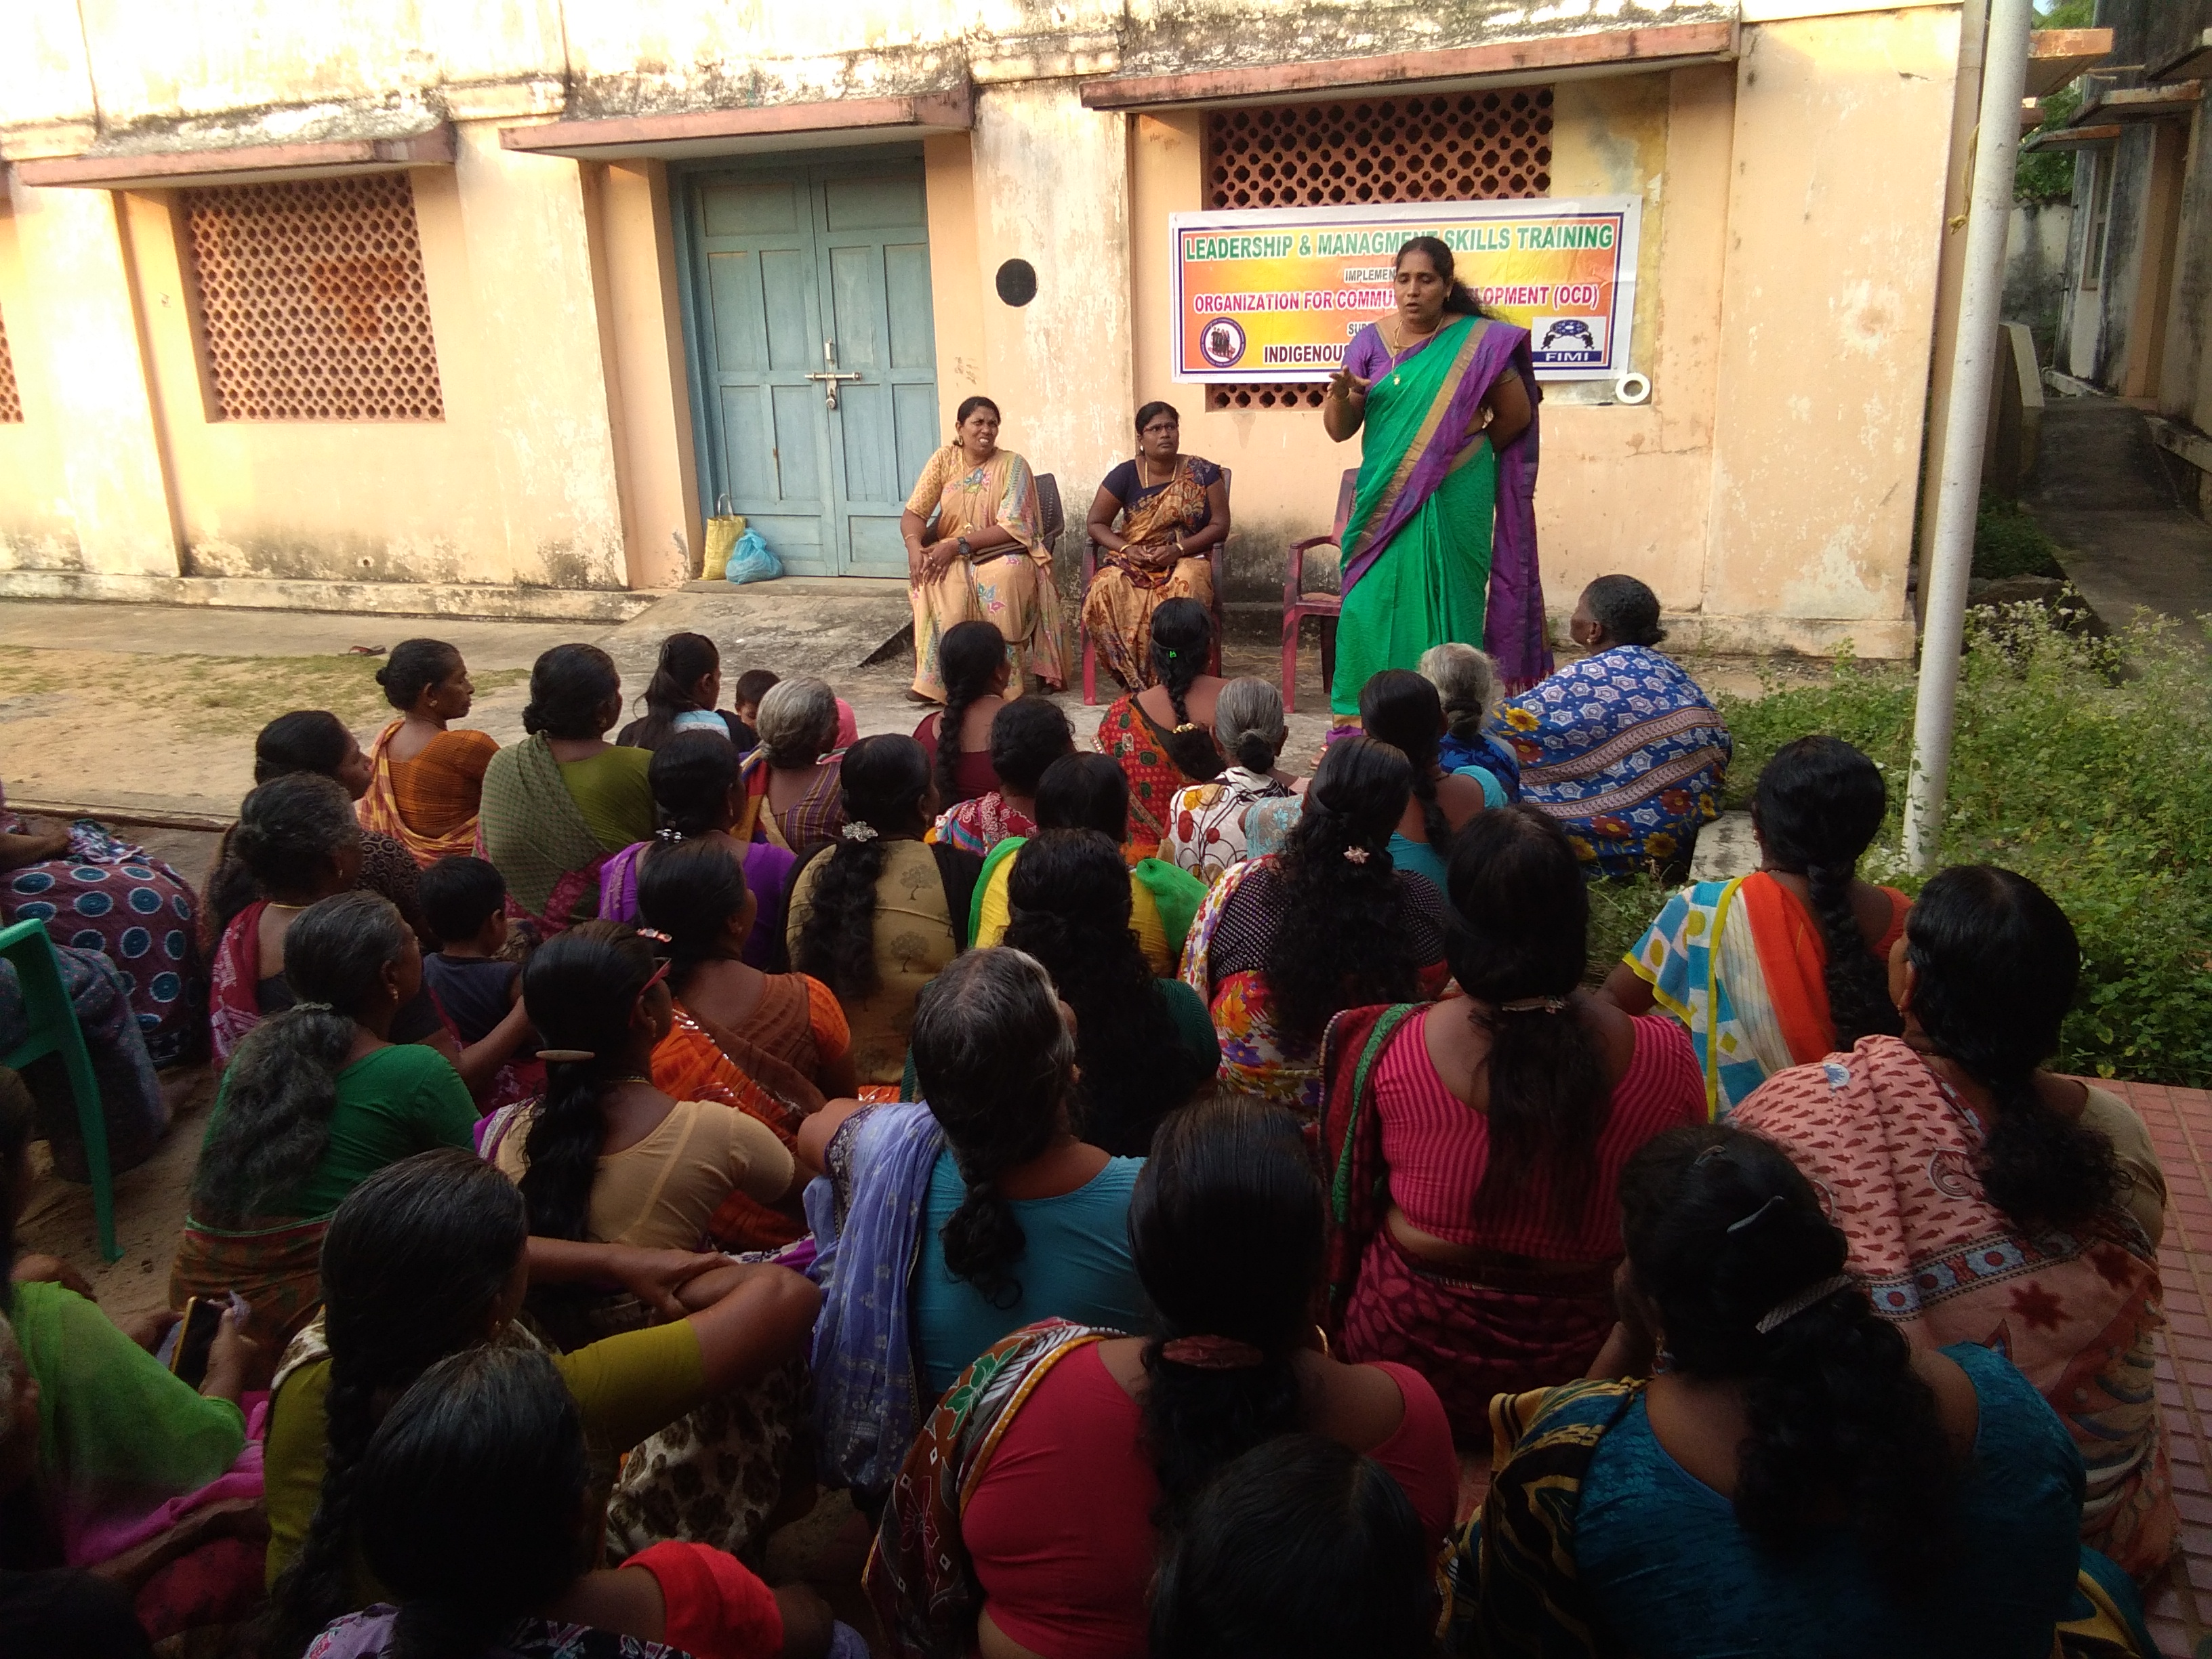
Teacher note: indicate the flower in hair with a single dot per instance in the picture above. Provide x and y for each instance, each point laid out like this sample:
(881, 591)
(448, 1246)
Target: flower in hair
(859, 832)
(655, 935)
(1356, 855)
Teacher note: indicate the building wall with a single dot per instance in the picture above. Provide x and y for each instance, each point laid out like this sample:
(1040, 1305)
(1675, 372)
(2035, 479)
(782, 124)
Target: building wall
(1787, 278)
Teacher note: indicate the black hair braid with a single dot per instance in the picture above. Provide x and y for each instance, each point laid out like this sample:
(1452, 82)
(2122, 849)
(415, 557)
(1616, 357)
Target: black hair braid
(882, 782)
(1338, 941)
(1996, 964)
(1225, 1227)
(317, 1586)
(413, 1265)
(1523, 917)
(996, 1063)
(1858, 986)
(1818, 807)
(1182, 635)
(1070, 902)
(968, 656)
(1723, 1233)
(1403, 709)
(580, 987)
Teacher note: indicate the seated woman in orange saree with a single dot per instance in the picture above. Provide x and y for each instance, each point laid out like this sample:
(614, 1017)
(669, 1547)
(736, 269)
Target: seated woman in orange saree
(975, 553)
(428, 802)
(1173, 507)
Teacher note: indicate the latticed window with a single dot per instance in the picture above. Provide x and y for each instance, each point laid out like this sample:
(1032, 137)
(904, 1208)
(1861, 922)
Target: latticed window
(310, 301)
(1438, 147)
(11, 403)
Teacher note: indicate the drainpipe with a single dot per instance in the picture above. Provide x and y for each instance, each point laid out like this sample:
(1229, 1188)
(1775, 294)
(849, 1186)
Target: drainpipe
(1981, 295)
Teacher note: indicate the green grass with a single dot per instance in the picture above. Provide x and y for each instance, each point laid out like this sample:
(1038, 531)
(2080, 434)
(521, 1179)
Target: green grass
(2007, 542)
(2085, 764)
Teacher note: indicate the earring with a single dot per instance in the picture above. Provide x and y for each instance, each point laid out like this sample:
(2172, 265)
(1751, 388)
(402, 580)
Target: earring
(1661, 1363)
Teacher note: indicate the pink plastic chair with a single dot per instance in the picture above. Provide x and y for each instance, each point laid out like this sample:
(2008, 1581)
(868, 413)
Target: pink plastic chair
(1297, 603)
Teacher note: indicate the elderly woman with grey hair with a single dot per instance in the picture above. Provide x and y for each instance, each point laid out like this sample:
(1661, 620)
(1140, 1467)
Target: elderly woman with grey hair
(1206, 831)
(1467, 681)
(788, 786)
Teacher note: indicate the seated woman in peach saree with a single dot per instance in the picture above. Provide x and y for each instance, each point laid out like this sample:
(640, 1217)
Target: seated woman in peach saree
(975, 553)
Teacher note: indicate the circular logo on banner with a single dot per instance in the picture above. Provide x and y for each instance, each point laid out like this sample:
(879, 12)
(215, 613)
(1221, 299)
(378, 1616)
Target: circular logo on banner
(1222, 340)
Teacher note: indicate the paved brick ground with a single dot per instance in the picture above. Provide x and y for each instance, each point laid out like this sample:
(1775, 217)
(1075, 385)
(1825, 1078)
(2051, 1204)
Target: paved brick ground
(2180, 1123)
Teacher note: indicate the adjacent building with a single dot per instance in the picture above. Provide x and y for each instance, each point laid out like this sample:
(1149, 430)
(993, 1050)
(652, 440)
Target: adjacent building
(2136, 317)
(483, 307)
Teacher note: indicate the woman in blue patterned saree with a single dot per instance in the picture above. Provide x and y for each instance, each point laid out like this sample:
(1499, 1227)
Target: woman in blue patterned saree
(1621, 747)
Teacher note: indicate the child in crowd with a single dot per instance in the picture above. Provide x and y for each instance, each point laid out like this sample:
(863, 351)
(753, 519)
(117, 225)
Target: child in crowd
(744, 704)
(465, 901)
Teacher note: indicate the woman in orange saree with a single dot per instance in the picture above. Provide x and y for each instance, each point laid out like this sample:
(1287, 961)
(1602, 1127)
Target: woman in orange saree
(974, 552)
(1173, 508)
(426, 781)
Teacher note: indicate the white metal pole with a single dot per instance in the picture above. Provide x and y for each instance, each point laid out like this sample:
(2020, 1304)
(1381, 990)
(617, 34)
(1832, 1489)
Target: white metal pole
(1981, 294)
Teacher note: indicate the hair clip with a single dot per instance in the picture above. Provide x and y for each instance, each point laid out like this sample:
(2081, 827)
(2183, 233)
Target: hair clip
(1758, 1215)
(312, 1008)
(1533, 1006)
(567, 1056)
(1782, 1312)
(1212, 1354)
(1356, 855)
(1188, 725)
(667, 833)
(655, 935)
(859, 832)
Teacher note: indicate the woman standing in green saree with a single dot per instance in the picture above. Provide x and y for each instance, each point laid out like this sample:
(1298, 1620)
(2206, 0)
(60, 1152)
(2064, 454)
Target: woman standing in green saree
(1442, 541)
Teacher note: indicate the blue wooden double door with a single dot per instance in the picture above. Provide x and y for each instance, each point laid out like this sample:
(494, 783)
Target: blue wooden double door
(814, 355)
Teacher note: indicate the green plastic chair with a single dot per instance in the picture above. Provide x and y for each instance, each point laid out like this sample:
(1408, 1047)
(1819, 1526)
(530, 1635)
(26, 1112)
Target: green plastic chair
(54, 1031)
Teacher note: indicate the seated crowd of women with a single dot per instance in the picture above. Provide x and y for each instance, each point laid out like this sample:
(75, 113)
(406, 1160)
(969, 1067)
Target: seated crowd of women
(1145, 1180)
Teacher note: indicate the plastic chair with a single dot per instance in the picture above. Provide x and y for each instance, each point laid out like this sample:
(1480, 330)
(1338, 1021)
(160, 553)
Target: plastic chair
(1216, 557)
(54, 1031)
(1298, 604)
(1051, 520)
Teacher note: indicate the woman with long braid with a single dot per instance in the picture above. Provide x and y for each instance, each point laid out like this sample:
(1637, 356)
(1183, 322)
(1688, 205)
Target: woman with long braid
(1162, 737)
(1031, 1507)
(1284, 943)
(1476, 1237)
(1399, 708)
(957, 738)
(878, 914)
(1780, 1472)
(605, 1156)
(1780, 967)
(1982, 1194)
(433, 1257)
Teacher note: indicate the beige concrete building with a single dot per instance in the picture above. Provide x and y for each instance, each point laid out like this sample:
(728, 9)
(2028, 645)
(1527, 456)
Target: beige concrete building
(480, 306)
(2136, 315)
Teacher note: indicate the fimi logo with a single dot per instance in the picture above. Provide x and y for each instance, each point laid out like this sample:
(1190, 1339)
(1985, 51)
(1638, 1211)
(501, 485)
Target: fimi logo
(1563, 340)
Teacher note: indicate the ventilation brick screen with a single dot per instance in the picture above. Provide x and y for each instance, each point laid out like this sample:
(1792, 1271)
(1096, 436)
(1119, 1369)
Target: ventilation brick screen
(1442, 147)
(310, 301)
(11, 404)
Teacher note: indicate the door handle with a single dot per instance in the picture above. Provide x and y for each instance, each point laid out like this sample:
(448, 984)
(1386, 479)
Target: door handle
(830, 374)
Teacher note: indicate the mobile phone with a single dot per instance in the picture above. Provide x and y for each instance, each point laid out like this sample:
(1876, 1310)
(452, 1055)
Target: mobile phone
(196, 1336)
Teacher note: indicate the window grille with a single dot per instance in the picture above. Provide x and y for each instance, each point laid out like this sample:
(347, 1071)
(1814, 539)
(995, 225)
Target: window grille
(1440, 147)
(310, 301)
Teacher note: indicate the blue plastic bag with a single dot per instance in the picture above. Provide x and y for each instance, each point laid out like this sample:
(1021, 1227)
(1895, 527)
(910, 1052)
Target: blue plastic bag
(751, 562)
